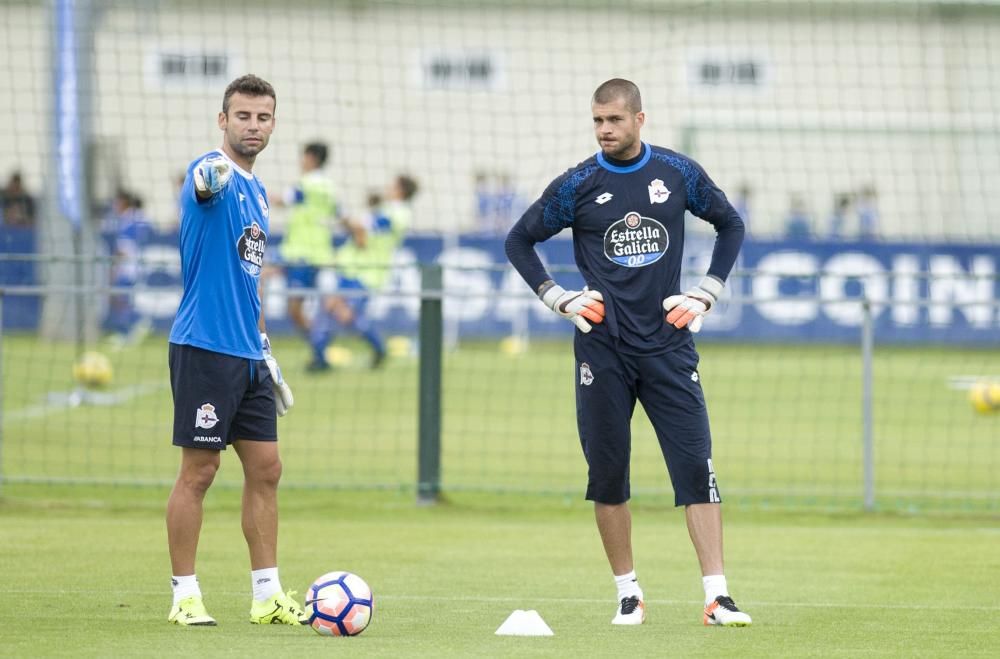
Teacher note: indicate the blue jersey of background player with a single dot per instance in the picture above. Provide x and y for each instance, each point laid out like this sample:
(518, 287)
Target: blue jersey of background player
(128, 231)
(626, 207)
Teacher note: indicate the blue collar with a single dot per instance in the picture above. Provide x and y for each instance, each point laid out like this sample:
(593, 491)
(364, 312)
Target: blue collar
(627, 169)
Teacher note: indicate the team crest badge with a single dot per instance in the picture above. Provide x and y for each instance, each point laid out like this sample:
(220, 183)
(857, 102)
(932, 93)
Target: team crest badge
(658, 192)
(586, 376)
(206, 417)
(263, 204)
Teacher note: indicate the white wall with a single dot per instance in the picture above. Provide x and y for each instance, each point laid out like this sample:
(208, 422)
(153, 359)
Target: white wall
(897, 95)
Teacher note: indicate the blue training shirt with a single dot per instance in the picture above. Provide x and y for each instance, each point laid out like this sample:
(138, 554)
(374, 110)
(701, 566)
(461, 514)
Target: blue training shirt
(222, 245)
(627, 220)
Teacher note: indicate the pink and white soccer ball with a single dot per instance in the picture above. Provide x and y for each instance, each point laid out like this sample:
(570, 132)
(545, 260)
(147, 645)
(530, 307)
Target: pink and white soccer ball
(340, 604)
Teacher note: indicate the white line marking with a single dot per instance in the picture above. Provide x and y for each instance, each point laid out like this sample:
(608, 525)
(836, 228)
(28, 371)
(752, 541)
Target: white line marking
(748, 604)
(65, 401)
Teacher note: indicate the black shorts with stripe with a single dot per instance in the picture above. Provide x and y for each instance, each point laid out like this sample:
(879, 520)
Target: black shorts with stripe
(608, 384)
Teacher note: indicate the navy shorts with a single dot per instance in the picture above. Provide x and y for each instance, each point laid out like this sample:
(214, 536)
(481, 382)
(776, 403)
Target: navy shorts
(354, 293)
(608, 383)
(220, 398)
(301, 276)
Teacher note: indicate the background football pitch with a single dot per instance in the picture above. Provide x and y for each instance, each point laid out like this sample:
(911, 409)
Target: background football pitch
(85, 573)
(85, 570)
(786, 423)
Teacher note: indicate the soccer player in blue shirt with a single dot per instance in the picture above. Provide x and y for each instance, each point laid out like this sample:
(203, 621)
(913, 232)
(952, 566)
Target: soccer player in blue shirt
(226, 386)
(626, 207)
(308, 243)
(364, 265)
(131, 231)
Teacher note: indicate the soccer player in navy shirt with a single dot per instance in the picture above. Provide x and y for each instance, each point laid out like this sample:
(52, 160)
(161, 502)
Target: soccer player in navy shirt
(626, 207)
(227, 388)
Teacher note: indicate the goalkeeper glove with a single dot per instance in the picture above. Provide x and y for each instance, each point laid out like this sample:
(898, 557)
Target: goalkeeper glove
(688, 309)
(576, 306)
(211, 175)
(283, 398)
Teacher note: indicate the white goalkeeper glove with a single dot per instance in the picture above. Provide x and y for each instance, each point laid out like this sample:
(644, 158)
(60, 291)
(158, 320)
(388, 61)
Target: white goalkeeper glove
(283, 398)
(576, 306)
(688, 308)
(212, 174)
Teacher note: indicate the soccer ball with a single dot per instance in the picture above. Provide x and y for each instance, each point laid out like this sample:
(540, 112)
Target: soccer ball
(93, 370)
(339, 604)
(985, 396)
(338, 356)
(513, 345)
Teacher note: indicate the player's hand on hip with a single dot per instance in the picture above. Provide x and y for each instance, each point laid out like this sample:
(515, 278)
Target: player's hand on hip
(580, 307)
(283, 398)
(212, 174)
(689, 308)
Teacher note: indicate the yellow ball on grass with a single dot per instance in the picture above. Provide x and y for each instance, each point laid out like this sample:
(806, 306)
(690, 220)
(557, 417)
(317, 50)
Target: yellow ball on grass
(985, 396)
(93, 370)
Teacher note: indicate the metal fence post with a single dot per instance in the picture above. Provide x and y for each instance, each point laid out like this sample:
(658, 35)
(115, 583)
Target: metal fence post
(867, 396)
(431, 338)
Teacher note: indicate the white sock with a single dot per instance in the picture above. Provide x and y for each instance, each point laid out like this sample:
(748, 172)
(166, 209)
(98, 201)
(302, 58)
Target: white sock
(715, 585)
(628, 586)
(265, 583)
(185, 587)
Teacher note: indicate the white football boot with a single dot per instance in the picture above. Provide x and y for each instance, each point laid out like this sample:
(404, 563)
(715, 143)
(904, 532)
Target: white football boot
(631, 611)
(723, 612)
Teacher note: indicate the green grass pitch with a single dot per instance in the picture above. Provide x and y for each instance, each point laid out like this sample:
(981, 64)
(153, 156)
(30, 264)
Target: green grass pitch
(86, 574)
(786, 422)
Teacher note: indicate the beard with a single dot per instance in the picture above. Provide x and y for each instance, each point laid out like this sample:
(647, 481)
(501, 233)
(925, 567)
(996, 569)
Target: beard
(248, 150)
(621, 150)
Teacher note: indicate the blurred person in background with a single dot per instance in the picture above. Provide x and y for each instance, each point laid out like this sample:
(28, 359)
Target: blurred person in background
(798, 224)
(130, 230)
(498, 204)
(483, 191)
(17, 207)
(837, 222)
(868, 215)
(363, 266)
(307, 246)
(626, 206)
(507, 204)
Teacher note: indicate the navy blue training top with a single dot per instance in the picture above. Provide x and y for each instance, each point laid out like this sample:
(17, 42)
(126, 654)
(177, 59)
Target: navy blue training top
(627, 219)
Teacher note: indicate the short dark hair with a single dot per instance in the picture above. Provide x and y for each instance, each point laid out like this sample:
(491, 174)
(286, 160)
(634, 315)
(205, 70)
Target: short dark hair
(248, 85)
(319, 151)
(408, 185)
(616, 88)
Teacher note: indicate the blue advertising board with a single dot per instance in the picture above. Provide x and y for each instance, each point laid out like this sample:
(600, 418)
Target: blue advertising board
(780, 290)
